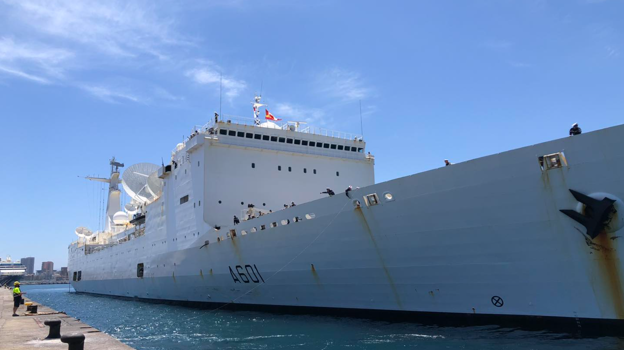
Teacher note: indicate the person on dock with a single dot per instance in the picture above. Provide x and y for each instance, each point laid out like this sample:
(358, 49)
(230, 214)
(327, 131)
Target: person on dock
(17, 297)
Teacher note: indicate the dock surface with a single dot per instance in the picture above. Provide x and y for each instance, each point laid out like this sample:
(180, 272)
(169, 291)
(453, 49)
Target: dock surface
(28, 331)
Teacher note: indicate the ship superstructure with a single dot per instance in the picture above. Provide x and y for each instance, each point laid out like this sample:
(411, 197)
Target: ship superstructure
(11, 271)
(530, 233)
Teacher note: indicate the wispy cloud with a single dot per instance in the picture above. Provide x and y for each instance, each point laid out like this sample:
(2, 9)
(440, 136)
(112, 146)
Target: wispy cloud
(209, 75)
(343, 84)
(498, 45)
(37, 59)
(110, 95)
(117, 28)
(24, 75)
(299, 113)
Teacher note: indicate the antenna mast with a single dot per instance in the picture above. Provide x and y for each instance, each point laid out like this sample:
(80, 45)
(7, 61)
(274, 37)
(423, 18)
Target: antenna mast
(220, 90)
(361, 122)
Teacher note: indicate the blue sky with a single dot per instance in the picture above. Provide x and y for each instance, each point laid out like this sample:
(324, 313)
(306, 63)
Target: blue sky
(81, 81)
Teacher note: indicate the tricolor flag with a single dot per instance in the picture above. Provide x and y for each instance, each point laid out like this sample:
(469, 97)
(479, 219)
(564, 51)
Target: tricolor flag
(270, 116)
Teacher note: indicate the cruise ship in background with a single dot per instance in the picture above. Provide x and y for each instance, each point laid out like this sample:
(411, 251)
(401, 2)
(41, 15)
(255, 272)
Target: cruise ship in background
(11, 271)
(529, 235)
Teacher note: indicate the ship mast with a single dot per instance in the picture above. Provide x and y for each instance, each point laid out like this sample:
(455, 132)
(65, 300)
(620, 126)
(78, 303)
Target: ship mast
(113, 204)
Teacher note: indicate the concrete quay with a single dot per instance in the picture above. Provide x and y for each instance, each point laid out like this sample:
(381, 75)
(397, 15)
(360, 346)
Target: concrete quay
(28, 331)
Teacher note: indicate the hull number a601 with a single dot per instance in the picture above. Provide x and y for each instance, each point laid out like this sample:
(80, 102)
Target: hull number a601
(246, 274)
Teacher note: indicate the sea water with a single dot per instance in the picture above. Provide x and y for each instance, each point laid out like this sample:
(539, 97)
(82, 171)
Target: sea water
(148, 326)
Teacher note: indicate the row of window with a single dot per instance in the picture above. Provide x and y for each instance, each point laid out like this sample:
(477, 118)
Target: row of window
(290, 141)
(305, 170)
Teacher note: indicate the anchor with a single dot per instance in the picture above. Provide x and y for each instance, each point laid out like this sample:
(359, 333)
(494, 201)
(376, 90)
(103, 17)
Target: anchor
(596, 215)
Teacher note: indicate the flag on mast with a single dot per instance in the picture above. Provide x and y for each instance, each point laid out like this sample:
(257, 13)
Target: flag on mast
(270, 116)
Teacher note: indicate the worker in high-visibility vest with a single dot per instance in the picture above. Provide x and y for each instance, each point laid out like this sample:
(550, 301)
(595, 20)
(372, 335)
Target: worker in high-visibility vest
(17, 297)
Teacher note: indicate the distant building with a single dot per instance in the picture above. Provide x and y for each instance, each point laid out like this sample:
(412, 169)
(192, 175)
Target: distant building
(47, 266)
(64, 272)
(30, 265)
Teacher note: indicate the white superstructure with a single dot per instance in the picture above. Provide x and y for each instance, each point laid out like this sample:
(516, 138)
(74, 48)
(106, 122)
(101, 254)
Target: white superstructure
(11, 271)
(482, 238)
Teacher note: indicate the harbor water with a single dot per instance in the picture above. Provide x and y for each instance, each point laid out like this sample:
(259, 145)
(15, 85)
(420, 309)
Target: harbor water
(148, 326)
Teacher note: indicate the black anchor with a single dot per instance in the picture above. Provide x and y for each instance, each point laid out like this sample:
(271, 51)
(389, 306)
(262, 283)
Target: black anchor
(596, 215)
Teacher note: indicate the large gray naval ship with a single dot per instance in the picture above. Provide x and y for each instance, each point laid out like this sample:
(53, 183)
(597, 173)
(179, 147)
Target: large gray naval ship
(532, 235)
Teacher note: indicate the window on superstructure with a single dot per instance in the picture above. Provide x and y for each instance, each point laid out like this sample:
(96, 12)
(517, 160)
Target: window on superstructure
(297, 142)
(289, 140)
(249, 135)
(304, 142)
(326, 145)
(289, 169)
(333, 146)
(223, 131)
(319, 145)
(184, 199)
(353, 149)
(257, 137)
(79, 276)
(312, 144)
(314, 171)
(282, 140)
(140, 269)
(274, 138)
(337, 173)
(253, 165)
(232, 133)
(361, 150)
(279, 168)
(75, 275)
(347, 148)
(265, 137)
(305, 171)
(240, 134)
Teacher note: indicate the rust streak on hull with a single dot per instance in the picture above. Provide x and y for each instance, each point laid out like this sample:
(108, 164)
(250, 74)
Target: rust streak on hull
(360, 215)
(609, 267)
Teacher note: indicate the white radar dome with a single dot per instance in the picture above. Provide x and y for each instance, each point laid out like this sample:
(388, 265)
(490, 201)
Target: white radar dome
(134, 181)
(120, 218)
(269, 125)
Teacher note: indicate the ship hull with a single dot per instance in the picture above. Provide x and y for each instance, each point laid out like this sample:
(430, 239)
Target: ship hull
(480, 241)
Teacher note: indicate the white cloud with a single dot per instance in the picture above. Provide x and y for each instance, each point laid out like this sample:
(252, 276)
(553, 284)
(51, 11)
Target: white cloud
(33, 57)
(292, 112)
(117, 28)
(210, 76)
(517, 64)
(24, 75)
(110, 95)
(343, 84)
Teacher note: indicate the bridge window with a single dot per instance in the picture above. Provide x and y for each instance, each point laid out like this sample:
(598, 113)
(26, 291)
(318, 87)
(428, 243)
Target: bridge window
(333, 146)
(223, 132)
(289, 140)
(304, 142)
(347, 148)
(319, 145)
(282, 140)
(297, 142)
(249, 135)
(240, 134)
(361, 150)
(312, 143)
(232, 133)
(257, 137)
(353, 149)
(265, 137)
(340, 147)
(274, 138)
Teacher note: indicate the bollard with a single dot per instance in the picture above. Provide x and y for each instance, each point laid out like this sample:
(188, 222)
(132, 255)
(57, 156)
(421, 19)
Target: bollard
(74, 340)
(55, 329)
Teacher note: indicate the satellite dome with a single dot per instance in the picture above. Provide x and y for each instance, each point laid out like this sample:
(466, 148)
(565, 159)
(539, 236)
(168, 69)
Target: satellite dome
(120, 218)
(83, 232)
(131, 208)
(269, 125)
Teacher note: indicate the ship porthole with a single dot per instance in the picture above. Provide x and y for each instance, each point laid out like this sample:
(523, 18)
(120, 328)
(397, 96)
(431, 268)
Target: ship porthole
(388, 197)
